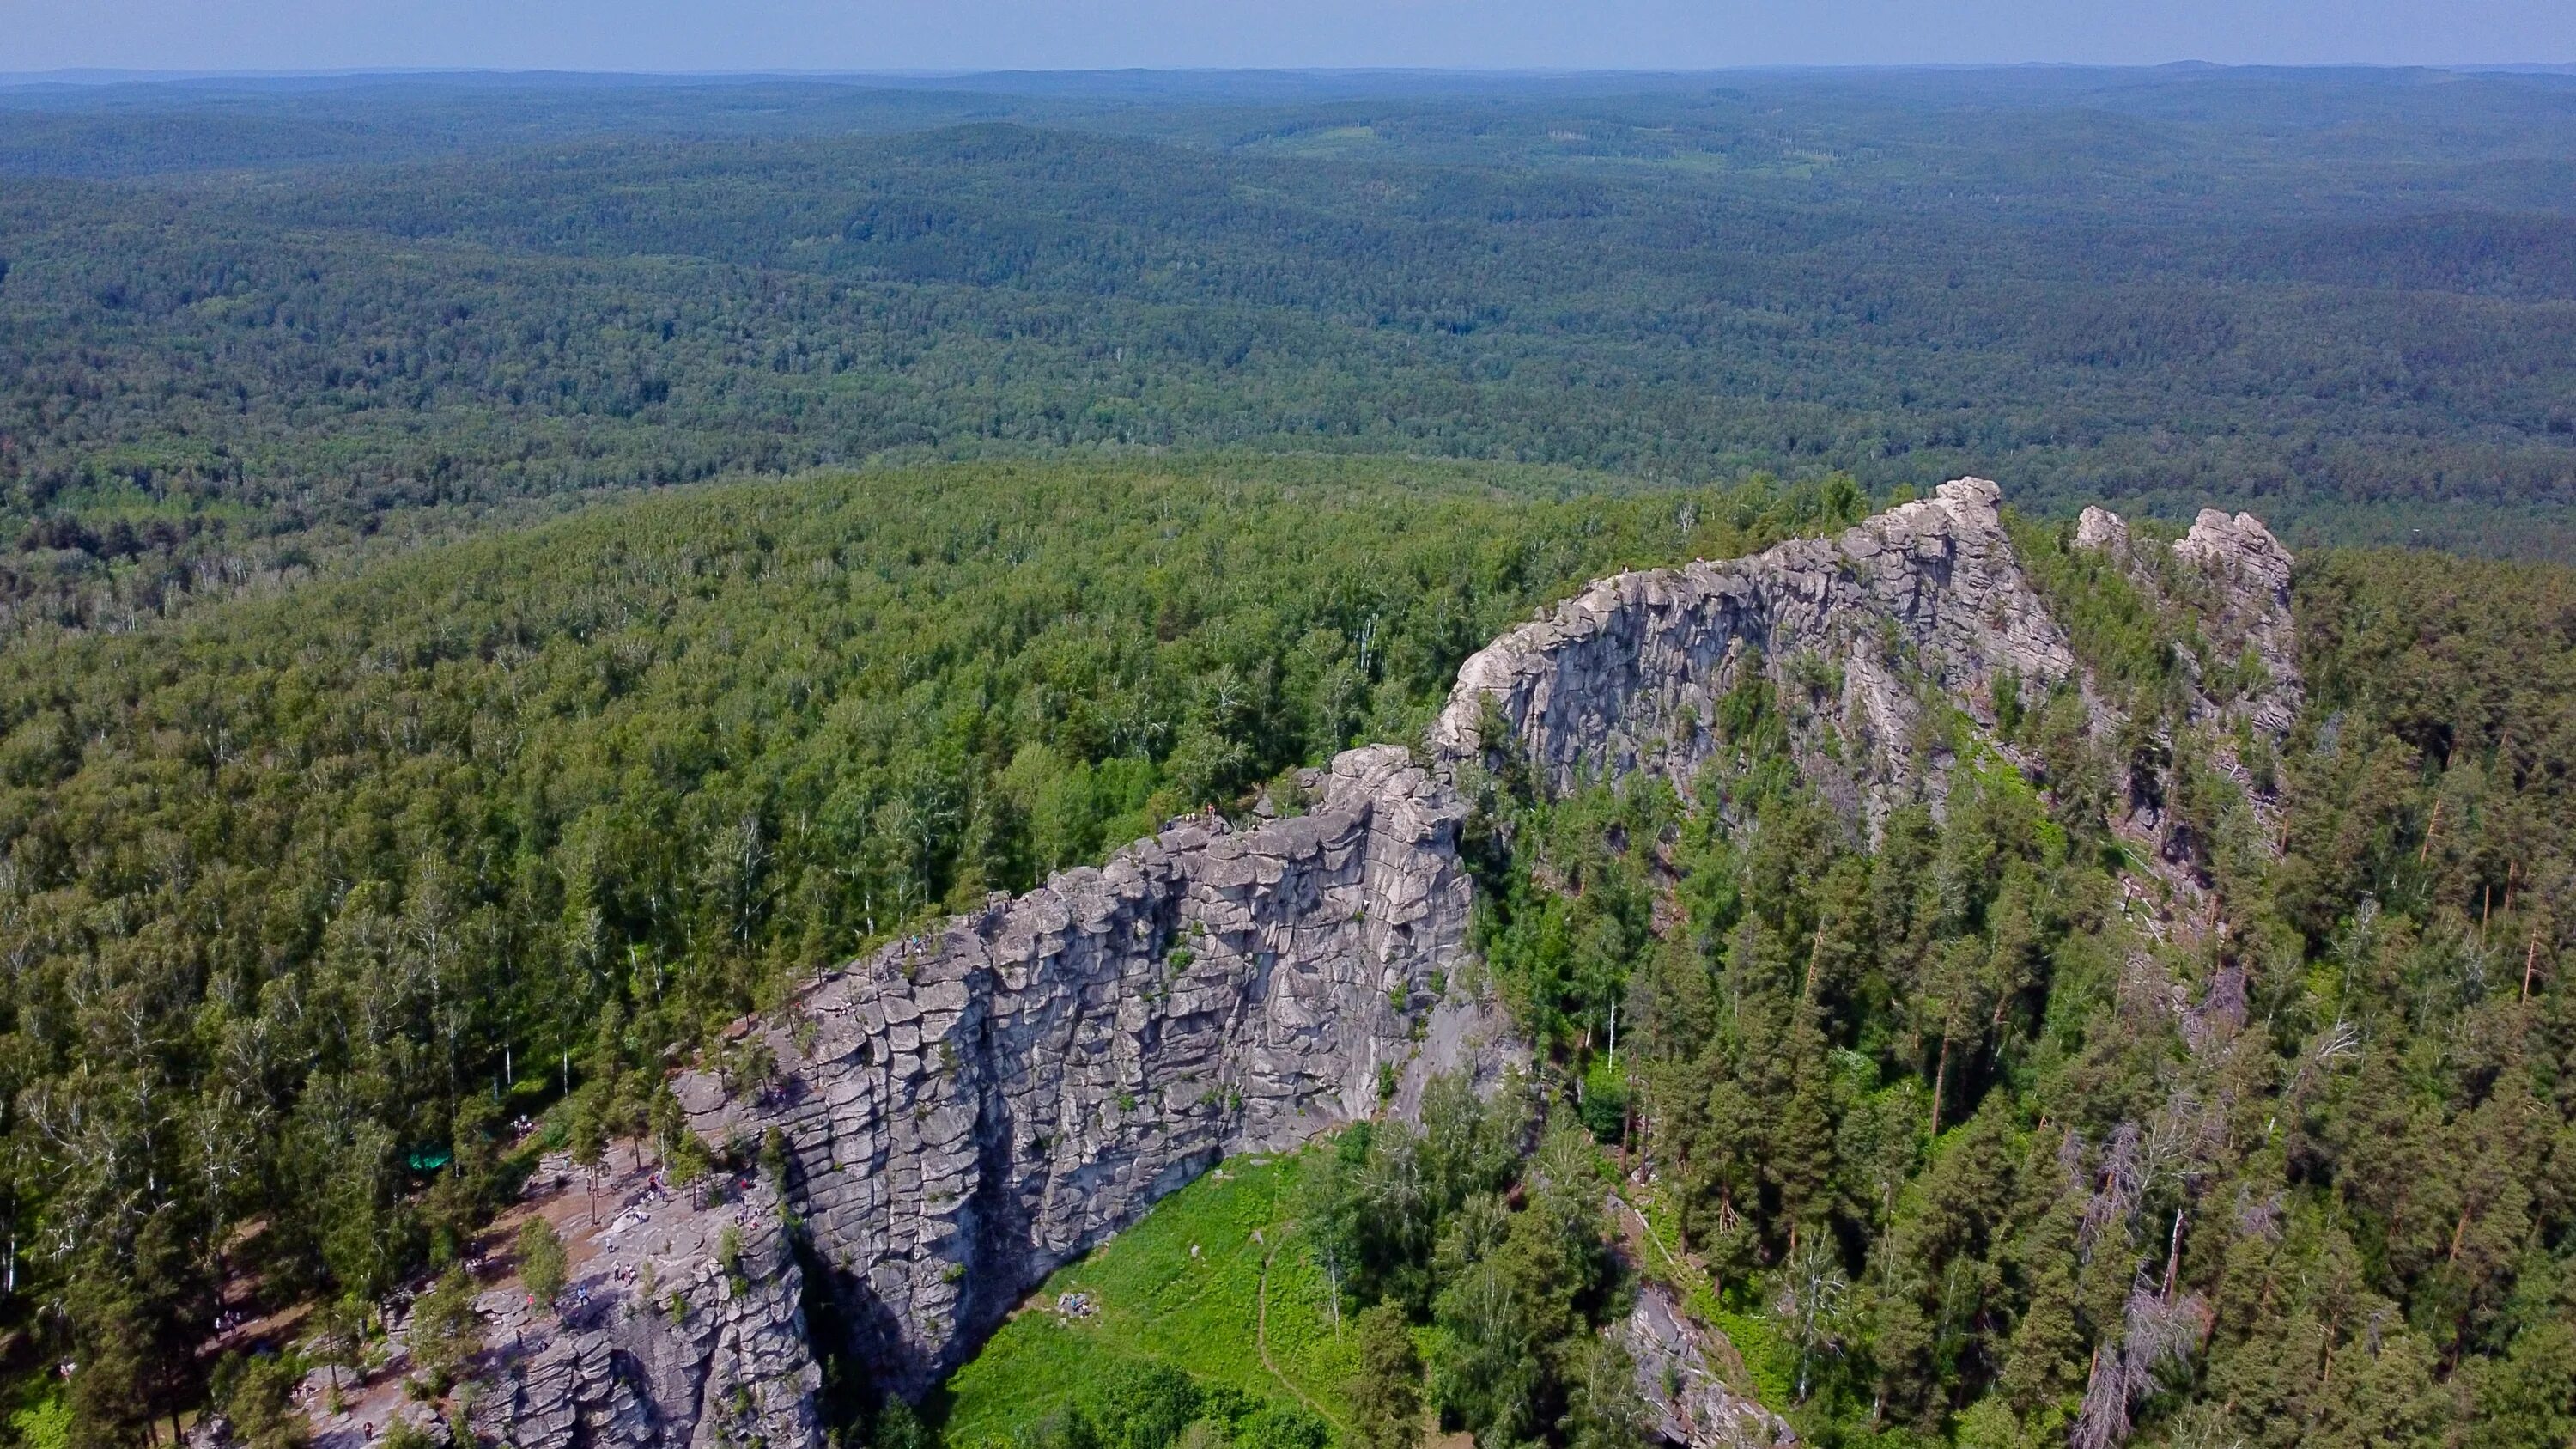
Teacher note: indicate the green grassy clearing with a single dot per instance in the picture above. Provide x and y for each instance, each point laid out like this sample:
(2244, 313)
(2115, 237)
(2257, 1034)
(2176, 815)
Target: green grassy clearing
(1158, 1304)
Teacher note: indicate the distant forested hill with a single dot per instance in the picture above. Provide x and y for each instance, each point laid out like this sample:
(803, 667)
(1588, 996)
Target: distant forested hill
(243, 327)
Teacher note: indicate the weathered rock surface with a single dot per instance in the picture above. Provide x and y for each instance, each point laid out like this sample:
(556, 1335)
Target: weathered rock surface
(2249, 607)
(661, 1343)
(968, 1109)
(2233, 577)
(1861, 637)
(2098, 527)
(2230, 578)
(1690, 1401)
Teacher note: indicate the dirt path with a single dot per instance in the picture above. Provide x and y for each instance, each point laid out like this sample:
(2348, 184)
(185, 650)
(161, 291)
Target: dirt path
(1261, 1339)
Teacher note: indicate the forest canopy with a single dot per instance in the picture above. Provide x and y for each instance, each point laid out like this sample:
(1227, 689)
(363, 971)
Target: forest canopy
(498, 581)
(304, 893)
(395, 309)
(1990, 1147)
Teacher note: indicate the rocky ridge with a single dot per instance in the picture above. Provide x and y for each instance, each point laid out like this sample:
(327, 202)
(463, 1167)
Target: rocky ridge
(683, 1329)
(965, 1110)
(2240, 685)
(2234, 578)
(1865, 635)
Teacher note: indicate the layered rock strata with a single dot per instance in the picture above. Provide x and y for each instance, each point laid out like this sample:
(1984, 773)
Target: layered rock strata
(681, 1329)
(963, 1111)
(967, 1109)
(1862, 637)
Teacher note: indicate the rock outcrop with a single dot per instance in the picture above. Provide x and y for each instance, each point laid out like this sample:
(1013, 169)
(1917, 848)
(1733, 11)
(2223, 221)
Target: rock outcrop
(1689, 1399)
(2233, 578)
(2247, 608)
(1862, 637)
(682, 1330)
(967, 1109)
(2226, 585)
(963, 1111)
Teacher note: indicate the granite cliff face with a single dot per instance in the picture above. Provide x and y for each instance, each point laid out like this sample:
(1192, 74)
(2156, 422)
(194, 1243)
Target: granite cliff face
(1862, 635)
(963, 1111)
(681, 1326)
(967, 1109)
(682, 1330)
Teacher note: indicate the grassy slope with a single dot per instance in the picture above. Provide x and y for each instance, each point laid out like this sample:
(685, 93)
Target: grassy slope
(1157, 1302)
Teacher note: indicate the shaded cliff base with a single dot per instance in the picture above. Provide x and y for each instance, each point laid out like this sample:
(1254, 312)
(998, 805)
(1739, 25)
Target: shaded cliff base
(968, 1109)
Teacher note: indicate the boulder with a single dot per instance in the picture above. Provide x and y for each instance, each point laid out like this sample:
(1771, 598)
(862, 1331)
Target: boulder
(1688, 1398)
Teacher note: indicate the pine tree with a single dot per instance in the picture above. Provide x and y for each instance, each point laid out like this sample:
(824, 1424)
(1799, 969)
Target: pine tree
(1386, 1390)
(260, 1402)
(446, 1329)
(589, 1143)
(1603, 1408)
(542, 1265)
(113, 1374)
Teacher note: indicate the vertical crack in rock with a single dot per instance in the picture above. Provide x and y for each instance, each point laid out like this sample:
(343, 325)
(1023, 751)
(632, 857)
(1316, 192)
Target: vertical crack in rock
(967, 1109)
(1862, 635)
(972, 1107)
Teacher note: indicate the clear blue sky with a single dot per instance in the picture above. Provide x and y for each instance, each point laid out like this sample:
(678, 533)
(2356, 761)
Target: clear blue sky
(702, 35)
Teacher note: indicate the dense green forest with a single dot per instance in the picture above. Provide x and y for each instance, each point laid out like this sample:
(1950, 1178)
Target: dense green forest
(303, 895)
(1997, 1161)
(1132, 441)
(228, 356)
(306, 891)
(1962, 1143)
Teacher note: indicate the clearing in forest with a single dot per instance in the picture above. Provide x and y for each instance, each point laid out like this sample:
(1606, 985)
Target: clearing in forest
(1150, 1297)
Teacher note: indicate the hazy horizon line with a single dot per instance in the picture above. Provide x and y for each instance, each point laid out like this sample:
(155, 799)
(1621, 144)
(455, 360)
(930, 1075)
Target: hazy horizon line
(119, 75)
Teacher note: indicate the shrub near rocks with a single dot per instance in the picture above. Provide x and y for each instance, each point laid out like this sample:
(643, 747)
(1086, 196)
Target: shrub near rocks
(543, 1268)
(446, 1331)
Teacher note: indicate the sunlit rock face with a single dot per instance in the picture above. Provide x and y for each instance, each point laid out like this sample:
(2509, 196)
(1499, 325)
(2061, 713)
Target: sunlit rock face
(2240, 682)
(967, 1109)
(1682, 1387)
(682, 1329)
(2248, 606)
(1860, 637)
(2233, 577)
